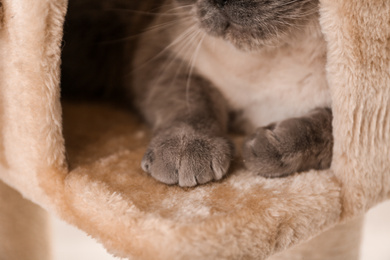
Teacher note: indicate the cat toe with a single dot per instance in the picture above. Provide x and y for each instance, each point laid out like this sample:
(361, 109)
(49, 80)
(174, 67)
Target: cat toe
(147, 160)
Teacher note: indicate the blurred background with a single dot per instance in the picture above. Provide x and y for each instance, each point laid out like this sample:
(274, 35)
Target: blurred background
(71, 243)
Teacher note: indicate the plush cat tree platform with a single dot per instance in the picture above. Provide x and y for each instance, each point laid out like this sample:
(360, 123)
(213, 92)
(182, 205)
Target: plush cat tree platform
(84, 167)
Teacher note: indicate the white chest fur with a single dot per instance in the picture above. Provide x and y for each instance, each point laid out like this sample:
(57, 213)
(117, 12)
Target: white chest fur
(267, 86)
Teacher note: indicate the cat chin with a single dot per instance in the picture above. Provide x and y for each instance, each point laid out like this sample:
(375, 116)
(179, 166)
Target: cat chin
(259, 45)
(243, 41)
(253, 45)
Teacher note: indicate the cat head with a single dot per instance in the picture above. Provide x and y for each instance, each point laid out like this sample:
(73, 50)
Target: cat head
(252, 24)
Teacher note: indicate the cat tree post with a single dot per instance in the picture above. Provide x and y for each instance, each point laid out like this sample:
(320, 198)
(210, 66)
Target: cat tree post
(24, 228)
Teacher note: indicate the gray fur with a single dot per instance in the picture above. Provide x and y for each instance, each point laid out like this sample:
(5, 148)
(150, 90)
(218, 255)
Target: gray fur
(293, 145)
(251, 24)
(189, 115)
(189, 146)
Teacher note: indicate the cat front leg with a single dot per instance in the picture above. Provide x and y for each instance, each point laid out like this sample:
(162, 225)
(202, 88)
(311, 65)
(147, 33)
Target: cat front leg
(189, 120)
(292, 145)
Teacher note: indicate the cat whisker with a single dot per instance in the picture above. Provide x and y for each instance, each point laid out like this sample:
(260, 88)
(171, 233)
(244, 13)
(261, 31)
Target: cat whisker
(154, 11)
(178, 58)
(166, 25)
(183, 7)
(192, 66)
(140, 12)
(303, 14)
(150, 29)
(174, 43)
(289, 3)
(180, 53)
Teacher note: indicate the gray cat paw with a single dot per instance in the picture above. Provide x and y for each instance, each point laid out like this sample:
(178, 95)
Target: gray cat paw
(290, 146)
(184, 157)
(263, 155)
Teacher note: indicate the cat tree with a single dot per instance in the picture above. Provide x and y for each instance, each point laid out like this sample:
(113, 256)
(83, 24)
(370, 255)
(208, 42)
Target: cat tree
(95, 182)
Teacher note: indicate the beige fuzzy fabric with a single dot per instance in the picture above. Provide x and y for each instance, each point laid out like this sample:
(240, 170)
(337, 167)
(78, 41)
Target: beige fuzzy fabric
(99, 186)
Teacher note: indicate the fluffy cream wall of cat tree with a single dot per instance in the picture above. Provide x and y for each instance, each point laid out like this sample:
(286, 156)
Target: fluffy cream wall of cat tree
(99, 186)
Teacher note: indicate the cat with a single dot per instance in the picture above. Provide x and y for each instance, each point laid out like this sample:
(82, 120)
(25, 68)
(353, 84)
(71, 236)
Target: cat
(256, 65)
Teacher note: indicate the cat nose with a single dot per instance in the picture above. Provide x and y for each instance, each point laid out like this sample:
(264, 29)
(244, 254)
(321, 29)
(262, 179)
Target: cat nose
(220, 3)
